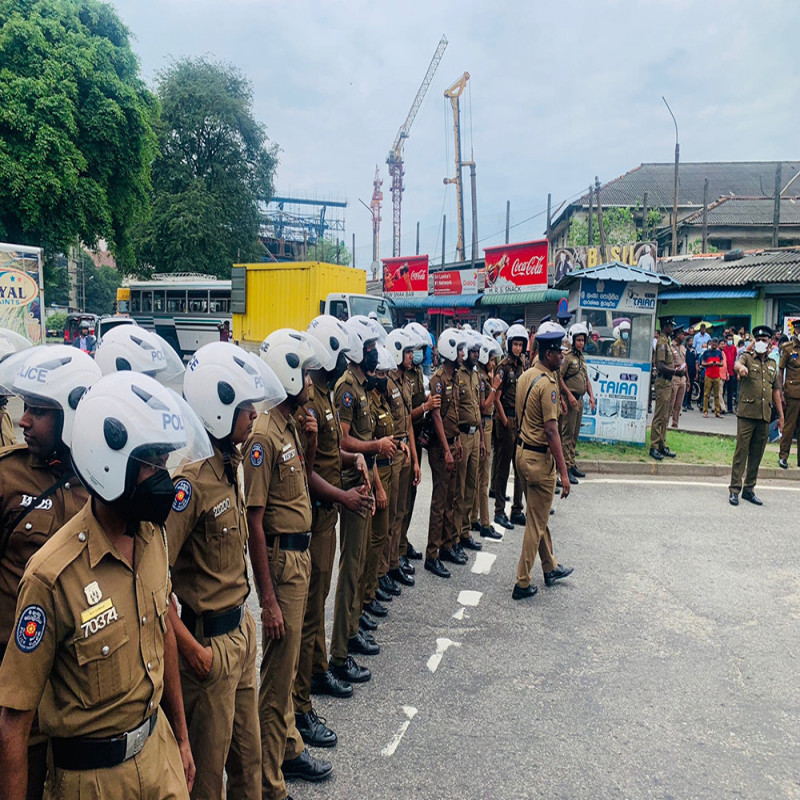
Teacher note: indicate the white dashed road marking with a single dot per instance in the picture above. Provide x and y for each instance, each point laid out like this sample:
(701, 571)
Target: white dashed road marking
(410, 712)
(468, 597)
(459, 614)
(442, 645)
(483, 563)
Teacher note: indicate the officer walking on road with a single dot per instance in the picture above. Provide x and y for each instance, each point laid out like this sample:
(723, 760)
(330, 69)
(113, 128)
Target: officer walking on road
(759, 391)
(665, 371)
(790, 366)
(538, 456)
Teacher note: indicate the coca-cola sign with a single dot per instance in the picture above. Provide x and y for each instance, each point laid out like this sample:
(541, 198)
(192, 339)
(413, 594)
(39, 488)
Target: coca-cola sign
(516, 267)
(406, 277)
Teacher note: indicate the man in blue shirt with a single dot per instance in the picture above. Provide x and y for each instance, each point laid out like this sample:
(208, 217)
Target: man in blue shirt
(700, 340)
(85, 341)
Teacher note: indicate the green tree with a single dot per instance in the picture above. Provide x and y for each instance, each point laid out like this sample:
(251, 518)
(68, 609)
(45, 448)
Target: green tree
(618, 223)
(329, 252)
(215, 165)
(76, 126)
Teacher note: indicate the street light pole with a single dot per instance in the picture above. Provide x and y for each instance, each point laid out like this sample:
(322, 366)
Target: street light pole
(675, 190)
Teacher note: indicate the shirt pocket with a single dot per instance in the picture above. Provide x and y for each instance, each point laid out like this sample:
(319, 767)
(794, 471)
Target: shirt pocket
(222, 540)
(105, 665)
(291, 479)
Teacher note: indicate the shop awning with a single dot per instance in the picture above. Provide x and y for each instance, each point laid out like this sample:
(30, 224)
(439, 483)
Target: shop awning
(523, 298)
(442, 301)
(708, 294)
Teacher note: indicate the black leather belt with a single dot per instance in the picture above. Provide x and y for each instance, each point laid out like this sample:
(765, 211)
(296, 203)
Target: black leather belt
(383, 462)
(214, 623)
(468, 428)
(511, 414)
(292, 541)
(537, 448)
(324, 506)
(488, 418)
(370, 460)
(401, 439)
(85, 753)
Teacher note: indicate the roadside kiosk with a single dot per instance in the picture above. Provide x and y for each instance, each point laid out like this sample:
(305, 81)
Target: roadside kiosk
(618, 304)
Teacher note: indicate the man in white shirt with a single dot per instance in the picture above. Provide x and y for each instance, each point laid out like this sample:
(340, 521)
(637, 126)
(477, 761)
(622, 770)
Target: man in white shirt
(701, 339)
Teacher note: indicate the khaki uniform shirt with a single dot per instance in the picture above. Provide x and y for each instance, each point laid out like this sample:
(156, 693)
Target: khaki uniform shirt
(415, 384)
(663, 356)
(484, 388)
(542, 404)
(678, 359)
(755, 390)
(22, 479)
(275, 475)
(328, 459)
(400, 402)
(469, 402)
(509, 370)
(443, 383)
(790, 362)
(352, 402)
(382, 418)
(207, 535)
(93, 626)
(574, 373)
(7, 436)
(620, 348)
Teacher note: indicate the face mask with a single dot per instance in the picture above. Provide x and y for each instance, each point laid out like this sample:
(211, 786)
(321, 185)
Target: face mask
(730, 342)
(383, 385)
(419, 357)
(151, 500)
(338, 370)
(760, 347)
(625, 335)
(371, 383)
(370, 360)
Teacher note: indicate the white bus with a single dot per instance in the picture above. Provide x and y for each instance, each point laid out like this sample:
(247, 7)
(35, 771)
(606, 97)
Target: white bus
(187, 309)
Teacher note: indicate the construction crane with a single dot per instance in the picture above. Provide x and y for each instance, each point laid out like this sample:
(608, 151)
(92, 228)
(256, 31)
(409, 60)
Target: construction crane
(395, 157)
(453, 94)
(375, 209)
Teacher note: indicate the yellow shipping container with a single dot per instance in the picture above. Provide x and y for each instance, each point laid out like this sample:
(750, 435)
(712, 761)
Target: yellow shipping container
(287, 295)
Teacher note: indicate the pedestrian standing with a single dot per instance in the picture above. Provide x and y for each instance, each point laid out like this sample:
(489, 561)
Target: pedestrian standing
(678, 379)
(712, 361)
(691, 371)
(730, 351)
(664, 370)
(759, 391)
(789, 366)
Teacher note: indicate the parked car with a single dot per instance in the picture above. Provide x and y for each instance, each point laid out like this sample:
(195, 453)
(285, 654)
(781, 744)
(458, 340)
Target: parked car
(106, 323)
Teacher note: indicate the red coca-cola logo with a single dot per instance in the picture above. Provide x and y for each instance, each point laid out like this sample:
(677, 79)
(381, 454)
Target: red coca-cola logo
(533, 266)
(419, 275)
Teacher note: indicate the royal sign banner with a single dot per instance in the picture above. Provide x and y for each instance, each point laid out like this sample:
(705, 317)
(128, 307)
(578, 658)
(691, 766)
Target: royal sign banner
(516, 267)
(405, 277)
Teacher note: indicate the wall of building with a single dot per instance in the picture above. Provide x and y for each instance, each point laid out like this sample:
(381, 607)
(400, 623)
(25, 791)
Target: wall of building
(755, 308)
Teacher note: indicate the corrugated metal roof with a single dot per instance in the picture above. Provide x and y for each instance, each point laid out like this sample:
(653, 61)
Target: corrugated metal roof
(442, 301)
(522, 298)
(748, 211)
(707, 294)
(765, 266)
(616, 271)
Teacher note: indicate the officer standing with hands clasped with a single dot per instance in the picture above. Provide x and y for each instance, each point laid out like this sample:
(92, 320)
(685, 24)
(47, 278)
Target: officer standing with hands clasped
(665, 371)
(538, 456)
(575, 384)
(790, 365)
(92, 625)
(759, 390)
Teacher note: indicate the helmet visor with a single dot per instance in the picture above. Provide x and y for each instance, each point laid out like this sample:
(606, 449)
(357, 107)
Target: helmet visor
(9, 367)
(274, 393)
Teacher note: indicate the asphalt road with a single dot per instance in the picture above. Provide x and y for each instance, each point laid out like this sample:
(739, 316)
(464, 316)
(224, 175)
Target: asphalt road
(665, 667)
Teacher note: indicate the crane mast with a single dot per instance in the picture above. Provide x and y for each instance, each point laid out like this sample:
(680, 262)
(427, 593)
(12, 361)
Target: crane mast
(395, 157)
(375, 208)
(453, 94)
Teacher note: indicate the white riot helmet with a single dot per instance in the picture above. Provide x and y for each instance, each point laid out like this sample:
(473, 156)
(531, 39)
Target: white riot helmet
(420, 334)
(474, 339)
(450, 340)
(128, 420)
(489, 347)
(517, 332)
(56, 377)
(380, 331)
(334, 337)
(132, 348)
(385, 360)
(578, 329)
(398, 343)
(492, 327)
(290, 353)
(221, 378)
(360, 327)
(13, 351)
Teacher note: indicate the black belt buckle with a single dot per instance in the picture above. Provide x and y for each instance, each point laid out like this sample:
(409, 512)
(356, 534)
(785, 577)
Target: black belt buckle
(223, 622)
(295, 541)
(384, 462)
(469, 429)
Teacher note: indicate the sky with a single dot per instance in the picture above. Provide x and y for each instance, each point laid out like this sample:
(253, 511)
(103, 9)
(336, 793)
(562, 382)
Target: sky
(559, 93)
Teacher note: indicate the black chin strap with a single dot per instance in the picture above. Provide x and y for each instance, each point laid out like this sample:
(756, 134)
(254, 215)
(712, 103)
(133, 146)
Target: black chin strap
(226, 445)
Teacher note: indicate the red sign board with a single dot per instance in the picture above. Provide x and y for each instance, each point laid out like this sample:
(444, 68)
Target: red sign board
(516, 267)
(406, 277)
(457, 281)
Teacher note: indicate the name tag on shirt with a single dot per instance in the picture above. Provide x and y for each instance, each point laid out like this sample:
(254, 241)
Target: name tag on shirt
(289, 455)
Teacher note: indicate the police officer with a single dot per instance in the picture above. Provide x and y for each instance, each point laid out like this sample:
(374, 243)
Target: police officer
(39, 492)
(789, 364)
(131, 347)
(473, 447)
(12, 353)
(505, 428)
(538, 456)
(444, 453)
(279, 520)
(665, 370)
(92, 626)
(760, 389)
(351, 400)
(207, 536)
(401, 346)
(574, 383)
(622, 340)
(313, 675)
(679, 379)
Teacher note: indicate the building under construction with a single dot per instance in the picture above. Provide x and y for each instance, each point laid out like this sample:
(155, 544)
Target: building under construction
(291, 226)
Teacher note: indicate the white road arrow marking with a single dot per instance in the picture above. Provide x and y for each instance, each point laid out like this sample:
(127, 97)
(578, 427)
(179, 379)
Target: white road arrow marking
(410, 712)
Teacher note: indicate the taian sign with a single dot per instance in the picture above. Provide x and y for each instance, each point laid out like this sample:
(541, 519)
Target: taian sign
(572, 259)
(457, 281)
(406, 277)
(516, 267)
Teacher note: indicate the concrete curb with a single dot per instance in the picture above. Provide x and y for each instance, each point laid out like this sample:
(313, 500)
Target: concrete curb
(674, 469)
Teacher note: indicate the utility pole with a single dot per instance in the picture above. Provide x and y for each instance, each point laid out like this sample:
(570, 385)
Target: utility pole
(644, 216)
(444, 233)
(417, 238)
(354, 251)
(474, 191)
(590, 232)
(508, 219)
(776, 216)
(675, 189)
(705, 215)
(600, 218)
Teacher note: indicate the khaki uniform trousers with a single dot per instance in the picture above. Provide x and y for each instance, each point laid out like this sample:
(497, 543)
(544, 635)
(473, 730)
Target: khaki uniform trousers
(354, 532)
(658, 427)
(290, 571)
(751, 441)
(222, 716)
(712, 386)
(156, 773)
(571, 428)
(790, 415)
(505, 446)
(466, 482)
(402, 474)
(678, 392)
(378, 537)
(480, 507)
(538, 470)
(441, 525)
(313, 655)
